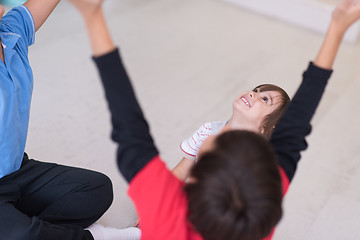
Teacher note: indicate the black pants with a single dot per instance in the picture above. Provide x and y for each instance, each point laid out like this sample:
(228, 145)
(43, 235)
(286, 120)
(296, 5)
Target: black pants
(46, 201)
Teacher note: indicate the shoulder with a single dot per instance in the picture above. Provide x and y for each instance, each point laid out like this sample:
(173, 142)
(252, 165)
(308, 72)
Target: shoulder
(157, 175)
(16, 15)
(19, 21)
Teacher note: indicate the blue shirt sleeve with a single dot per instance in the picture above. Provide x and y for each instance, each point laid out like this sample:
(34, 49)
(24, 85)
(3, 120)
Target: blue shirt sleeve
(20, 21)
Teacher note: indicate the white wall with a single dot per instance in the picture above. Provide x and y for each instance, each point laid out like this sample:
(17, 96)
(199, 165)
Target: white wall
(310, 14)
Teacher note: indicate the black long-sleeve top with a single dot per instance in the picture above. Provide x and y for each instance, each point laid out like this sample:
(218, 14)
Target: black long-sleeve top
(288, 138)
(131, 131)
(157, 194)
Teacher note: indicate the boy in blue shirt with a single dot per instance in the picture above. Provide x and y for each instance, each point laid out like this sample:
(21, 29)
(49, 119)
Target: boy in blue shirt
(38, 201)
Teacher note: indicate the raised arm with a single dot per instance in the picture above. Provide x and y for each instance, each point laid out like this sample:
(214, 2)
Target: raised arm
(130, 129)
(99, 35)
(344, 15)
(289, 135)
(40, 10)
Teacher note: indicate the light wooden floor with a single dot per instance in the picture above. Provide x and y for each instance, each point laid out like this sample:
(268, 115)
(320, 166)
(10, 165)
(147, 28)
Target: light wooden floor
(188, 59)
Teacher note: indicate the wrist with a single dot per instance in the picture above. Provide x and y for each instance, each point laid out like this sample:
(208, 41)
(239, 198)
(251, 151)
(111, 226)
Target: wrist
(92, 16)
(337, 29)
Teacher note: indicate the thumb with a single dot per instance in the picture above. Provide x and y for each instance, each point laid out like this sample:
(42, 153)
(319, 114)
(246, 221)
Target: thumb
(2, 11)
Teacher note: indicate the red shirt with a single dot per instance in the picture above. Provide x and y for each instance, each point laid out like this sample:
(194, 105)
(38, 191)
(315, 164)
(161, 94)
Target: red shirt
(161, 203)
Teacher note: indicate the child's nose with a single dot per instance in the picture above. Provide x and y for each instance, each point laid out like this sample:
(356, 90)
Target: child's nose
(253, 95)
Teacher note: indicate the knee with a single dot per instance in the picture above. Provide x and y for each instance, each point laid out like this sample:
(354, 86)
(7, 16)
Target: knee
(104, 190)
(107, 190)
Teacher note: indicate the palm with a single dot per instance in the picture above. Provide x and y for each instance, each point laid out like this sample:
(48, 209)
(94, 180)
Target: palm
(347, 12)
(87, 7)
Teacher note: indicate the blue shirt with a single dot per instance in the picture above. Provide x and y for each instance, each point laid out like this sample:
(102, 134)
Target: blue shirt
(17, 33)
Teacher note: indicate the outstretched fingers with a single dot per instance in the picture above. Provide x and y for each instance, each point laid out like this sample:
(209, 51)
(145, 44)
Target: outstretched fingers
(357, 5)
(347, 3)
(345, 14)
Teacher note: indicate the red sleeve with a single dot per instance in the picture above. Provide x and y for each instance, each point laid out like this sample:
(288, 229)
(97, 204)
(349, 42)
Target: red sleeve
(284, 180)
(161, 203)
(285, 186)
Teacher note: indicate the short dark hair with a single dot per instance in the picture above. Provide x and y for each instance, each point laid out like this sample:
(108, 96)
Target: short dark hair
(236, 192)
(269, 122)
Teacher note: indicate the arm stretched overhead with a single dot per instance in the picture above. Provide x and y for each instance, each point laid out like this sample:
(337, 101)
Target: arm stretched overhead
(288, 138)
(130, 129)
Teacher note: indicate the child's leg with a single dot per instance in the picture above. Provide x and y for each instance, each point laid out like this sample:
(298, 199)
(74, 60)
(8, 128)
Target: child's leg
(34, 205)
(69, 197)
(62, 195)
(16, 225)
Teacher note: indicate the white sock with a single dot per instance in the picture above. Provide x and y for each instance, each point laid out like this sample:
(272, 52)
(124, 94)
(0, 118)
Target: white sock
(100, 232)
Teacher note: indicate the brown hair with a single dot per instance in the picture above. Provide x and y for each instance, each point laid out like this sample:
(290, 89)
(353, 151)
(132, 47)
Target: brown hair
(236, 193)
(269, 122)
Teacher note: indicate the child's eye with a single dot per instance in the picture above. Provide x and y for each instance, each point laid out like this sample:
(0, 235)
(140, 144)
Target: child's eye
(255, 90)
(265, 99)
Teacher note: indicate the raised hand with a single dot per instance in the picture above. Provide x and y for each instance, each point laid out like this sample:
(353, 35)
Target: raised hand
(99, 35)
(345, 14)
(87, 8)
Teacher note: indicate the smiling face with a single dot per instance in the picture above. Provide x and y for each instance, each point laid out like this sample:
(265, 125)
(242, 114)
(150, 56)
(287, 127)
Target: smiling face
(250, 108)
(258, 110)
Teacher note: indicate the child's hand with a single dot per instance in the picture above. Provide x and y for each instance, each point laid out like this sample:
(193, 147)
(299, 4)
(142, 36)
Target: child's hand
(345, 14)
(87, 8)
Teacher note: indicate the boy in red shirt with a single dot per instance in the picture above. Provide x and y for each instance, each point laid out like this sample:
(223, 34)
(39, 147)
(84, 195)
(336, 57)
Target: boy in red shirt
(236, 187)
